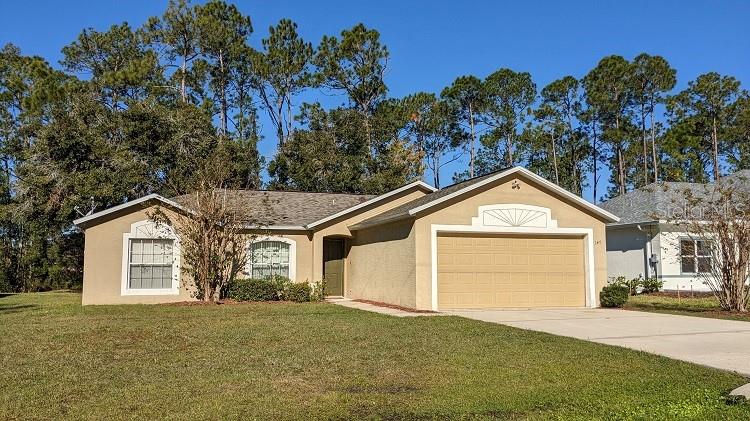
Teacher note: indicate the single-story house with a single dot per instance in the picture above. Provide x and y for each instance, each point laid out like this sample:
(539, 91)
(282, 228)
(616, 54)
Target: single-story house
(647, 242)
(506, 239)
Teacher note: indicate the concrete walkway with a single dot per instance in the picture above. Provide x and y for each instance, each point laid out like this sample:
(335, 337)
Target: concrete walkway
(346, 302)
(723, 344)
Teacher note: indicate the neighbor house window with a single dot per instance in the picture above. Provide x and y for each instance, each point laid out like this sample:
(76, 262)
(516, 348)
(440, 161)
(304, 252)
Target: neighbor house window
(695, 256)
(151, 262)
(271, 257)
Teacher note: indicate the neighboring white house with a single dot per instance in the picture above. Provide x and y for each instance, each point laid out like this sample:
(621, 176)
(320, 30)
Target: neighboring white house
(644, 242)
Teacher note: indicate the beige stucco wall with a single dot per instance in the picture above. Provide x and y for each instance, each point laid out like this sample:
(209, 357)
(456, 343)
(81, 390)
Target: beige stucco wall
(381, 264)
(460, 211)
(340, 228)
(103, 252)
(102, 264)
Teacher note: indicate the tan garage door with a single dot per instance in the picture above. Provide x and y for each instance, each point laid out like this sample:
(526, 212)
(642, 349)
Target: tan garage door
(486, 271)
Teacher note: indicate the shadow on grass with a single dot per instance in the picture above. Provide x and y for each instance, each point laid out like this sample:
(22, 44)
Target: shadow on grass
(15, 308)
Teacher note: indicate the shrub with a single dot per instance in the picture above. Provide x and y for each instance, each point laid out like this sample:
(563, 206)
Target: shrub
(298, 292)
(249, 289)
(614, 295)
(652, 285)
(281, 284)
(318, 291)
(631, 284)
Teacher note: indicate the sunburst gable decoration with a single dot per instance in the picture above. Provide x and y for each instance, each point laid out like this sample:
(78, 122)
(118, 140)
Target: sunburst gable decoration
(514, 215)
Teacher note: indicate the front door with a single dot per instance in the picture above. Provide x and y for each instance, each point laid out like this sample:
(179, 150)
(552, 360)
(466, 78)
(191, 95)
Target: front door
(333, 266)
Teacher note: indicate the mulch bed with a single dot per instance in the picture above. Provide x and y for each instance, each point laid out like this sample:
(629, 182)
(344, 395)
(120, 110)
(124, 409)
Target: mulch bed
(393, 306)
(221, 302)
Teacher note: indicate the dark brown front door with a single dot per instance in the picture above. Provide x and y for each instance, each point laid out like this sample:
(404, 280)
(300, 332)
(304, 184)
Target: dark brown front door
(333, 266)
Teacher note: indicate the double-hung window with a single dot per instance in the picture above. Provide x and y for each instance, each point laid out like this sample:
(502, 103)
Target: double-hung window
(150, 263)
(695, 256)
(270, 257)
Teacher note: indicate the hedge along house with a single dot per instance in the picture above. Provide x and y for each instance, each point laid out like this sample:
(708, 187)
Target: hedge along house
(506, 239)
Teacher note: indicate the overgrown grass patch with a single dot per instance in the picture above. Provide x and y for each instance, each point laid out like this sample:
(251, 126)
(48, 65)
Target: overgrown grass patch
(318, 360)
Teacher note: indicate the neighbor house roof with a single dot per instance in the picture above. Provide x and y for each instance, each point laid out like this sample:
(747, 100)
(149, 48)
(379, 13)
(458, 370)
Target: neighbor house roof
(423, 203)
(273, 209)
(664, 200)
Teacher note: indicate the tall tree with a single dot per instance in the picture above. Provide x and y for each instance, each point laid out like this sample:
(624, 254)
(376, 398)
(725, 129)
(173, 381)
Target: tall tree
(434, 123)
(467, 94)
(355, 64)
(283, 71)
(121, 66)
(608, 92)
(561, 105)
(509, 95)
(708, 100)
(176, 32)
(222, 33)
(652, 79)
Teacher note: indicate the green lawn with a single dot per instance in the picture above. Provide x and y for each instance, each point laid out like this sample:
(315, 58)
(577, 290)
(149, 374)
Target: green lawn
(61, 360)
(698, 306)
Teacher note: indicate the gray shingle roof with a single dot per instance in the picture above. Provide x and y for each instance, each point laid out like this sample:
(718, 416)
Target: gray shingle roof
(287, 208)
(402, 211)
(664, 200)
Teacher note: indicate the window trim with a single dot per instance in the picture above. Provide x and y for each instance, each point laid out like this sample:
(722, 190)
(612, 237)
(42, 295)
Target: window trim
(695, 255)
(292, 254)
(148, 230)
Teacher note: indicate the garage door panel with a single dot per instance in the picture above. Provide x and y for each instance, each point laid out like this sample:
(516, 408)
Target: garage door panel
(507, 271)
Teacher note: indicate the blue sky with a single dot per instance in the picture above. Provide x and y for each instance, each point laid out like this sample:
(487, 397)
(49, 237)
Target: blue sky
(432, 42)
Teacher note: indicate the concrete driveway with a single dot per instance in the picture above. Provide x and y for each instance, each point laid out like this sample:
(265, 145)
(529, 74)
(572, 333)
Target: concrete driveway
(723, 344)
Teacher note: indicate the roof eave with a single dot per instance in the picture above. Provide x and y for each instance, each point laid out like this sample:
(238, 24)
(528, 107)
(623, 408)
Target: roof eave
(87, 220)
(419, 184)
(590, 206)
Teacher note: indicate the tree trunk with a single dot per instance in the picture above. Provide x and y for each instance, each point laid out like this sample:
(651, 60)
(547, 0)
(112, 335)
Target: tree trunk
(554, 158)
(183, 92)
(645, 147)
(223, 88)
(653, 148)
(595, 158)
(715, 142)
(473, 141)
(620, 164)
(510, 150)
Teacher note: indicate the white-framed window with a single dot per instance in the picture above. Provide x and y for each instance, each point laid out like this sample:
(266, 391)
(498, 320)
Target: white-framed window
(269, 256)
(695, 256)
(151, 260)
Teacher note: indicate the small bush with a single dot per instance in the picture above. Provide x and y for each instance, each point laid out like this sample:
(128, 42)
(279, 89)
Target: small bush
(318, 291)
(249, 289)
(633, 285)
(652, 285)
(614, 295)
(281, 284)
(299, 292)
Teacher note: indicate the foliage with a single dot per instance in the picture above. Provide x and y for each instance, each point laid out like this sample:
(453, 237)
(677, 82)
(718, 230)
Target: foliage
(250, 289)
(651, 285)
(633, 285)
(212, 238)
(299, 292)
(614, 295)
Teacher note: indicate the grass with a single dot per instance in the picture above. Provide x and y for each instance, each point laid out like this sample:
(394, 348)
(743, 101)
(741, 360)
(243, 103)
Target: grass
(303, 361)
(704, 306)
